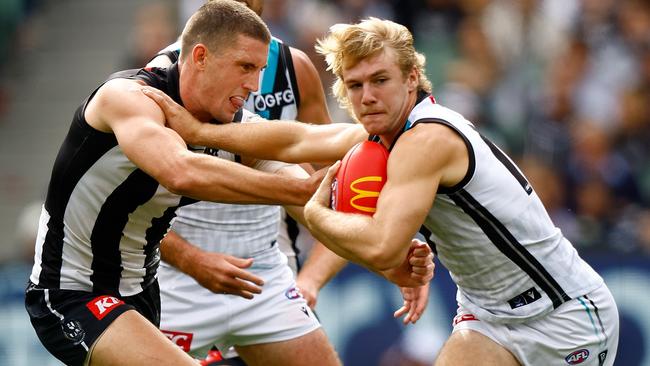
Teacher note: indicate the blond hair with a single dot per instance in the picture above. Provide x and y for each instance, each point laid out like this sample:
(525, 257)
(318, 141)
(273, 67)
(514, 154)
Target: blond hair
(217, 23)
(348, 44)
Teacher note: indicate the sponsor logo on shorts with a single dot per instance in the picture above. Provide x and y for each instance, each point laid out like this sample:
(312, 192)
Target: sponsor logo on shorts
(463, 318)
(525, 298)
(304, 310)
(103, 305)
(601, 358)
(73, 331)
(181, 339)
(292, 293)
(577, 357)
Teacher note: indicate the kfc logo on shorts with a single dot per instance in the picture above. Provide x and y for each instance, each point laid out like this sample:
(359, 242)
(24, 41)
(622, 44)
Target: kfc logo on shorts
(181, 339)
(101, 306)
(577, 357)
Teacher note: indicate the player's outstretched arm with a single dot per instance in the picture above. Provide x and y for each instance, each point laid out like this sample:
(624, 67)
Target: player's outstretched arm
(138, 124)
(281, 140)
(219, 273)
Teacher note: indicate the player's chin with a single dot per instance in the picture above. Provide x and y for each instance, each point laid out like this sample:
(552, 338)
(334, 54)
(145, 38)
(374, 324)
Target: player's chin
(374, 125)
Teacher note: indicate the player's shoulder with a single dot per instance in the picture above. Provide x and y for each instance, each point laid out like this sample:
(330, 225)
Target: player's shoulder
(299, 57)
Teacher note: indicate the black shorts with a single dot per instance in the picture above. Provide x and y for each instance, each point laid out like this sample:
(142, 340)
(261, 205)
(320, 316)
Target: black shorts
(68, 322)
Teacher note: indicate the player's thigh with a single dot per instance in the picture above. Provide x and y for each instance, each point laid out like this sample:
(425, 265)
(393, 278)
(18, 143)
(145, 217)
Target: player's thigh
(132, 340)
(470, 348)
(310, 349)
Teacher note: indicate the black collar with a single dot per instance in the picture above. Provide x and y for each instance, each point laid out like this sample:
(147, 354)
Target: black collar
(173, 85)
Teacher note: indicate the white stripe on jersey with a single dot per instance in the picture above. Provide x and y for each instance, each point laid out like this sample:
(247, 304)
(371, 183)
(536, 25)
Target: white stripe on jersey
(38, 249)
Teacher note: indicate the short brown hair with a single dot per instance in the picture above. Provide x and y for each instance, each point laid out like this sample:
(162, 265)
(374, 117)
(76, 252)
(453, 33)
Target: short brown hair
(217, 23)
(348, 44)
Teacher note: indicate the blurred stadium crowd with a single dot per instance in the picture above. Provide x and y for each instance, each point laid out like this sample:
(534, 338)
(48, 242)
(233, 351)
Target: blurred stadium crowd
(562, 85)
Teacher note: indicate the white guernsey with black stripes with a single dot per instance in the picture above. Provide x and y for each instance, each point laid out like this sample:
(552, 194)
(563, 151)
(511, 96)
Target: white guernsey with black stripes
(103, 217)
(492, 232)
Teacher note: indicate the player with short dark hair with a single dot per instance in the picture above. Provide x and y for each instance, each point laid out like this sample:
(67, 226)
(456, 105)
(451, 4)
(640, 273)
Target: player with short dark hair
(119, 177)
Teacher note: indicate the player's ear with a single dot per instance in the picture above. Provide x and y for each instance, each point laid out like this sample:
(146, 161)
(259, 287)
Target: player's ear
(200, 55)
(413, 78)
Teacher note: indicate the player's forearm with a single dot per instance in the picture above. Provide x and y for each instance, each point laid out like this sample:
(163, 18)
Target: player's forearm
(288, 141)
(177, 252)
(321, 266)
(212, 179)
(353, 237)
(261, 140)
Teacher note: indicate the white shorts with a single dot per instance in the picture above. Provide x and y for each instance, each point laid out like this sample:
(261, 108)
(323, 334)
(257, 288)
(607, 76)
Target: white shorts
(583, 331)
(196, 319)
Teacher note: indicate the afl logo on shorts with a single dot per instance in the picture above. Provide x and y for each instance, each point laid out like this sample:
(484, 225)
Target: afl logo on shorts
(577, 357)
(292, 293)
(265, 101)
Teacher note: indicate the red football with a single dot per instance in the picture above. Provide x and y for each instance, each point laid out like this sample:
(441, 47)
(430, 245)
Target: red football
(360, 178)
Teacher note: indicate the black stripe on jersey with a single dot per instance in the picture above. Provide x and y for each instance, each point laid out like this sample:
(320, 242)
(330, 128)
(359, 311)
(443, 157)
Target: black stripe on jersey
(470, 154)
(137, 189)
(285, 52)
(292, 232)
(427, 235)
(509, 165)
(159, 227)
(602, 327)
(510, 247)
(82, 147)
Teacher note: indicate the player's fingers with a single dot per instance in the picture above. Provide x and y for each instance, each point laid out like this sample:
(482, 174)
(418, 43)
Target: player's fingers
(239, 262)
(154, 94)
(420, 261)
(422, 279)
(421, 251)
(241, 288)
(240, 274)
(331, 173)
(401, 311)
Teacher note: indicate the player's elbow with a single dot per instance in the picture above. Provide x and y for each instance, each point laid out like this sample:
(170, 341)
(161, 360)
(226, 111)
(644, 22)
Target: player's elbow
(177, 178)
(381, 259)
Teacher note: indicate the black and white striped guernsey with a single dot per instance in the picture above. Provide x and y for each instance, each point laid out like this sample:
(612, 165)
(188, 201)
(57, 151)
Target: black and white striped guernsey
(103, 218)
(493, 234)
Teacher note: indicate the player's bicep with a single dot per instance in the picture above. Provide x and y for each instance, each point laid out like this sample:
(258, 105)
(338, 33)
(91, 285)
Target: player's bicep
(410, 189)
(138, 125)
